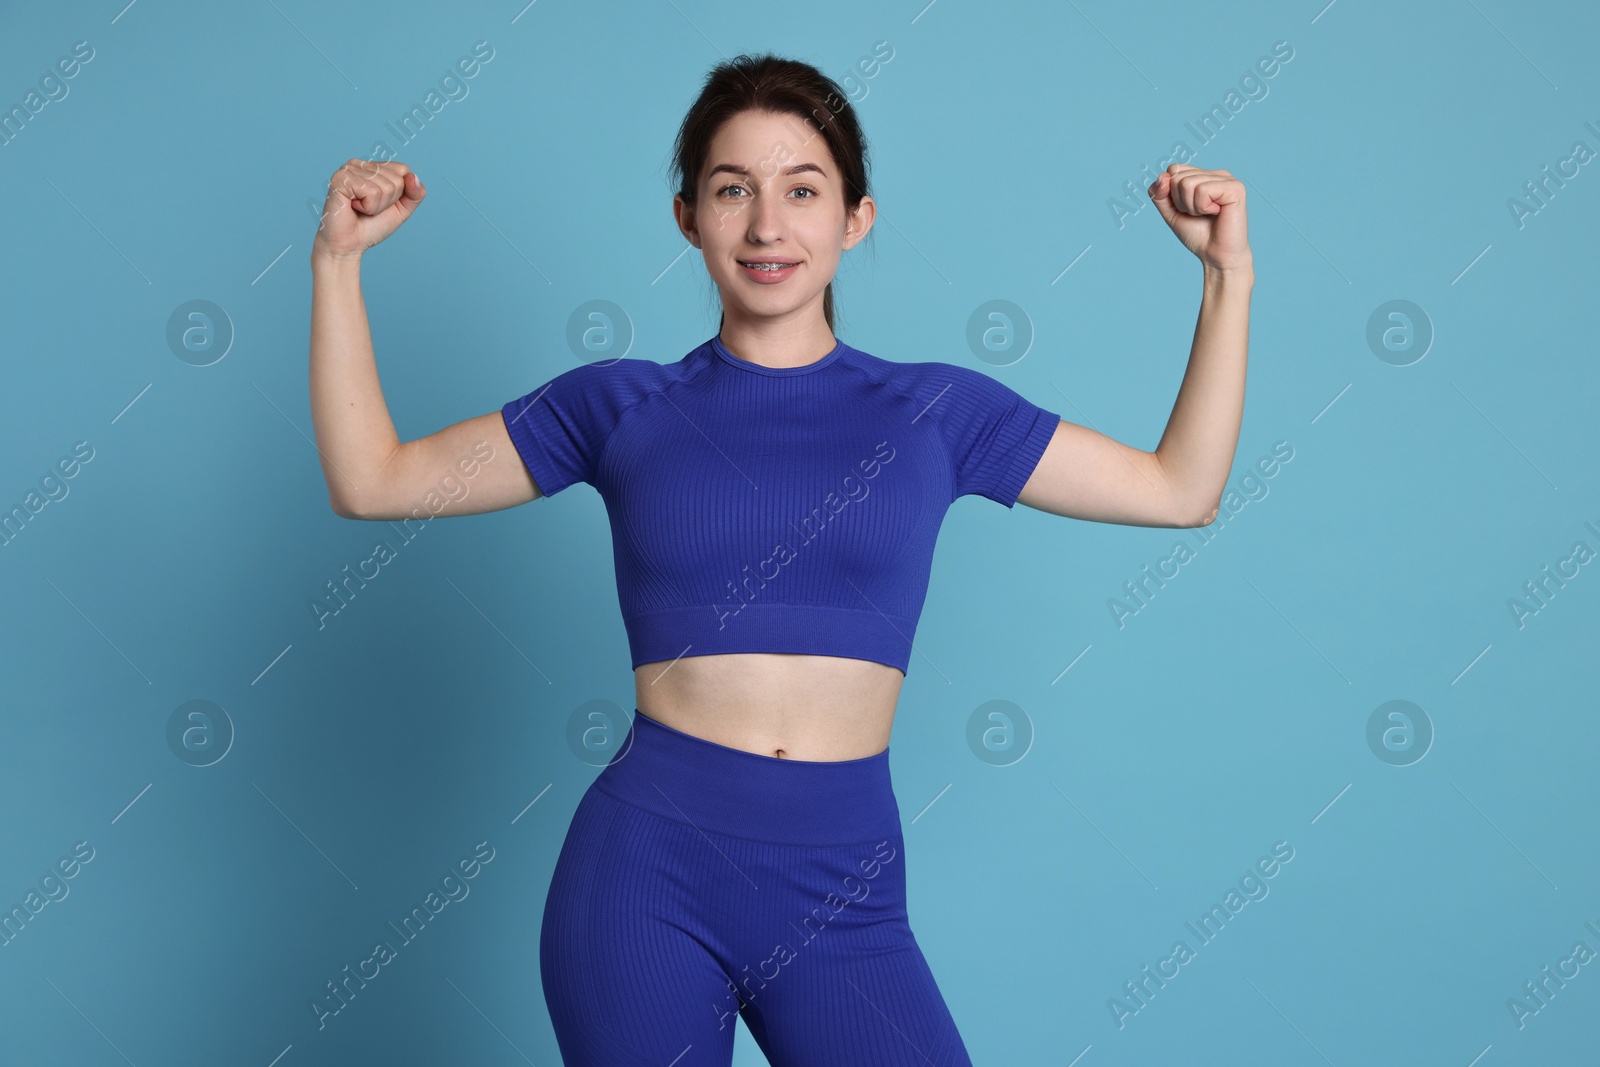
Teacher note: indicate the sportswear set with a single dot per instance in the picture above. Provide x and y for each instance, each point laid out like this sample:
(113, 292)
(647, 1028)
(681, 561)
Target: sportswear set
(757, 509)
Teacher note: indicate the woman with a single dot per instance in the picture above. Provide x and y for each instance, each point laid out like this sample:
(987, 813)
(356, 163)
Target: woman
(774, 498)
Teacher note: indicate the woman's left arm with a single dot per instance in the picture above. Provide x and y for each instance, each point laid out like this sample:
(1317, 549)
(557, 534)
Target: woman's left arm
(1085, 474)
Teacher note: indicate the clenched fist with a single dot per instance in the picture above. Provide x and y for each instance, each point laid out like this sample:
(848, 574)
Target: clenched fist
(1205, 208)
(367, 201)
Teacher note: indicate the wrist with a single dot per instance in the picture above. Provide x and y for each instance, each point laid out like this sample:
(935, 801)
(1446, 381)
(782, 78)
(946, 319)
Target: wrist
(1238, 273)
(327, 259)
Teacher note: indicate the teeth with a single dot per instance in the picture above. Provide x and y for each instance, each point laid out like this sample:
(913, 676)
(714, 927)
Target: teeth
(769, 266)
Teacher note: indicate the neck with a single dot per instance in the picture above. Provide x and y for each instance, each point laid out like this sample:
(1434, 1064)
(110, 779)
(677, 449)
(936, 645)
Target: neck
(777, 343)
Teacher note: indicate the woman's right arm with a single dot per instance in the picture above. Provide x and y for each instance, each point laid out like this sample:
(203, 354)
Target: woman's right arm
(469, 467)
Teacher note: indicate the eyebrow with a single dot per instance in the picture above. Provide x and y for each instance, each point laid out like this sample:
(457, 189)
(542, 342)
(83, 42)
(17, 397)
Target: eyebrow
(736, 168)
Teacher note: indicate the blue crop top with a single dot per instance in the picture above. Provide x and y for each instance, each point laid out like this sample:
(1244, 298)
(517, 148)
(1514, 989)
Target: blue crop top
(764, 509)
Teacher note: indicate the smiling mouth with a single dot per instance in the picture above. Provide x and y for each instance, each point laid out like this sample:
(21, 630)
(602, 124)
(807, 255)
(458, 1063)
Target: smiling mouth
(772, 265)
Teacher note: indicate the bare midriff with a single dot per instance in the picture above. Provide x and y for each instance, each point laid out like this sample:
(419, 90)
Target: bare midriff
(788, 706)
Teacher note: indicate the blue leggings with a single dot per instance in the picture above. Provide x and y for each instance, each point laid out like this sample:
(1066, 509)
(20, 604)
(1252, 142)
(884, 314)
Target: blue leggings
(700, 884)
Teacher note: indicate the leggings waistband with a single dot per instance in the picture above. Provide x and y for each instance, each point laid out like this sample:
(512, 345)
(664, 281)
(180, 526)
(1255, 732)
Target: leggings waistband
(724, 790)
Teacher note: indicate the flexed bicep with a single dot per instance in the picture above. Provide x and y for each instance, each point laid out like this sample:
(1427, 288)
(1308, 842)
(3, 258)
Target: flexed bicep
(1084, 474)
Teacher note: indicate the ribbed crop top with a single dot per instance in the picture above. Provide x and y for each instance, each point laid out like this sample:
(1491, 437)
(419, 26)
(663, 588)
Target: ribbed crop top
(776, 509)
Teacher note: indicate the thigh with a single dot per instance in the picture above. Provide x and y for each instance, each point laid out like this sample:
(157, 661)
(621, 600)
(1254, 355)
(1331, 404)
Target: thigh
(882, 1008)
(625, 978)
(841, 979)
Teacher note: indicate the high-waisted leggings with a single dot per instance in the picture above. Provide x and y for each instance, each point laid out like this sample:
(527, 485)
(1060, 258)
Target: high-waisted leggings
(700, 884)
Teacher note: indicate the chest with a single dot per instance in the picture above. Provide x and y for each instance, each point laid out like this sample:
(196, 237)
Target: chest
(700, 486)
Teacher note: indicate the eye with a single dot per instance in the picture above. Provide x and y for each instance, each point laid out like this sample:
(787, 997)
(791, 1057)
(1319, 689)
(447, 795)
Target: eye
(812, 193)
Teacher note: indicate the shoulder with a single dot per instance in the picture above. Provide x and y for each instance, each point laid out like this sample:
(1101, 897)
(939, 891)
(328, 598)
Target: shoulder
(916, 371)
(615, 375)
(898, 372)
(561, 427)
(992, 435)
(944, 389)
(607, 388)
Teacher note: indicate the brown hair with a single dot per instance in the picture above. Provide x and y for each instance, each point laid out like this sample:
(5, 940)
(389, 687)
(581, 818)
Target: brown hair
(773, 83)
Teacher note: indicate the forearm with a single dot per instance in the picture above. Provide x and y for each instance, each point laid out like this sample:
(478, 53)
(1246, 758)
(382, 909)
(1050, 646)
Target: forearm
(1196, 450)
(355, 434)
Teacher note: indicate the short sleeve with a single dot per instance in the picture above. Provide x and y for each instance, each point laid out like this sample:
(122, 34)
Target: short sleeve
(996, 435)
(560, 427)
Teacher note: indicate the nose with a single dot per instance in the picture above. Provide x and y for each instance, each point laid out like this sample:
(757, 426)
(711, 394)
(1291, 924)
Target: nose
(764, 224)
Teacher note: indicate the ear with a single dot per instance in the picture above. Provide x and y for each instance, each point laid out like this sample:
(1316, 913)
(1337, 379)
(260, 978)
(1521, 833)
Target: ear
(684, 216)
(859, 222)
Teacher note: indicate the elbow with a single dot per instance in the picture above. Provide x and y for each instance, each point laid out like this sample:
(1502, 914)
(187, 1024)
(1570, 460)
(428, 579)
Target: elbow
(1191, 517)
(1189, 506)
(343, 508)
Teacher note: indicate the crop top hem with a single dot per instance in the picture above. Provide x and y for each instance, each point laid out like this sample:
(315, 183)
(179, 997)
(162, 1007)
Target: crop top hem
(806, 629)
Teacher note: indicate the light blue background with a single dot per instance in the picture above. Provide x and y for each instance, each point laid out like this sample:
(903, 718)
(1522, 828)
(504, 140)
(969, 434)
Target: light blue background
(1228, 714)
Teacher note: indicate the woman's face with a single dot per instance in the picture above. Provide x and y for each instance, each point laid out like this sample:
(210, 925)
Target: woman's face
(771, 192)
